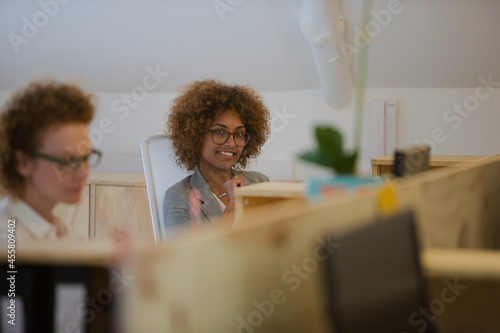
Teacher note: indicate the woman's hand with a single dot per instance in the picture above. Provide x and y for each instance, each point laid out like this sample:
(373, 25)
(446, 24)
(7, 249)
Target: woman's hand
(230, 185)
(119, 235)
(227, 219)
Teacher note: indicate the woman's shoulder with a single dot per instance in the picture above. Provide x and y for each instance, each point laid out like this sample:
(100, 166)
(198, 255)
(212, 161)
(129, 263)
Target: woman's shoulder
(255, 176)
(179, 188)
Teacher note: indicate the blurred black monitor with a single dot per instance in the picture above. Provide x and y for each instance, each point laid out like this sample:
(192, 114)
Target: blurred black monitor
(375, 280)
(411, 160)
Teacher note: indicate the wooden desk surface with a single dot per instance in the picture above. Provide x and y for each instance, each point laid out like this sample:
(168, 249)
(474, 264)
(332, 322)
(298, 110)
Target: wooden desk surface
(471, 264)
(272, 190)
(435, 160)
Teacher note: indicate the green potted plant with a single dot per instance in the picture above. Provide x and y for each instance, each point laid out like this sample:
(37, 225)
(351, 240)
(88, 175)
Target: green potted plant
(330, 151)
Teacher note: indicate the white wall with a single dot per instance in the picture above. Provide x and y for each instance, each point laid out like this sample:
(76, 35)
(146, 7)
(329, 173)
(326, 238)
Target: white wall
(424, 115)
(107, 44)
(420, 113)
(428, 57)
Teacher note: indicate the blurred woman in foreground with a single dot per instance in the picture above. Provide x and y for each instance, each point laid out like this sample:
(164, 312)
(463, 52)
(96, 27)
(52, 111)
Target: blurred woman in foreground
(45, 153)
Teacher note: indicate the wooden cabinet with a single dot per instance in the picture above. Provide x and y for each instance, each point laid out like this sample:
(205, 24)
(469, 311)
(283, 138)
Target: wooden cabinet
(110, 202)
(122, 208)
(77, 217)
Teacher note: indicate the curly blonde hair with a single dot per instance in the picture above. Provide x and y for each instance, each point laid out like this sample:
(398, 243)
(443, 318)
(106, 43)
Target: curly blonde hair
(199, 103)
(25, 118)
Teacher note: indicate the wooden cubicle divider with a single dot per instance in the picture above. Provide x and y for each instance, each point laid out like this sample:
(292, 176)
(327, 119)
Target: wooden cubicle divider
(267, 275)
(220, 282)
(456, 207)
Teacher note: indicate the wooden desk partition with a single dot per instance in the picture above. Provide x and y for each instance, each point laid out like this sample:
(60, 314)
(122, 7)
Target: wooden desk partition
(384, 164)
(267, 275)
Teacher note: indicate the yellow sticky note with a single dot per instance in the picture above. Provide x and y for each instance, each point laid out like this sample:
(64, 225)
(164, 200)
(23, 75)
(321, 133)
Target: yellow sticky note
(387, 199)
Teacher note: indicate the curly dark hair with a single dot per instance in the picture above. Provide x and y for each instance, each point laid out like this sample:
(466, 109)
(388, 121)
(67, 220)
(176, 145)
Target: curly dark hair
(28, 114)
(199, 104)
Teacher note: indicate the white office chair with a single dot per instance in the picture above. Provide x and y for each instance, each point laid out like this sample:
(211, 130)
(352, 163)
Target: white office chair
(161, 172)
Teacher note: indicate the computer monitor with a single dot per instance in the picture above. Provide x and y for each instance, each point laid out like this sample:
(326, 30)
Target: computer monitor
(411, 160)
(375, 281)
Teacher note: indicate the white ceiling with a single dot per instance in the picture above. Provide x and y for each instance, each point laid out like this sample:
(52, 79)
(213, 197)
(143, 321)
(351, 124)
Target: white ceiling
(108, 45)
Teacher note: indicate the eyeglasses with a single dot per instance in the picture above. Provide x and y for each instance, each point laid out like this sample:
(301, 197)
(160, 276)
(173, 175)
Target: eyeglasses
(72, 162)
(220, 137)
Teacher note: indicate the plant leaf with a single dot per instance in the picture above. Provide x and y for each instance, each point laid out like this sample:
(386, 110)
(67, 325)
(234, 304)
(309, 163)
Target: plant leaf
(347, 163)
(329, 143)
(315, 157)
(330, 152)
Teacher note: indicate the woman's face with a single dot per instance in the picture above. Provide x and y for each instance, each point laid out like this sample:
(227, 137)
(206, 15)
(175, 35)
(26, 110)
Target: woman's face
(44, 179)
(221, 157)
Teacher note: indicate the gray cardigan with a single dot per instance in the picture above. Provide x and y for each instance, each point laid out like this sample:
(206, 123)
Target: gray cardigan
(176, 201)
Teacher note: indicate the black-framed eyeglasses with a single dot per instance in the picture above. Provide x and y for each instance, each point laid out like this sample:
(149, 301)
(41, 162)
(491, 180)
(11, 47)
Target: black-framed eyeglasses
(72, 162)
(220, 137)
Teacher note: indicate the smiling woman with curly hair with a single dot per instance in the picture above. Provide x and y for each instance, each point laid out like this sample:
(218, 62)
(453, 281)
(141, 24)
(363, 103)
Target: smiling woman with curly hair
(215, 129)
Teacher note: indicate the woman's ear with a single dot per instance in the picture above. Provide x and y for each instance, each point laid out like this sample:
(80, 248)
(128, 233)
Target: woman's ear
(24, 163)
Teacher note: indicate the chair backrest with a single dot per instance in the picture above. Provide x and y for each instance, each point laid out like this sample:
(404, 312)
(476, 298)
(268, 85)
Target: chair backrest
(161, 172)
